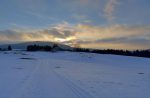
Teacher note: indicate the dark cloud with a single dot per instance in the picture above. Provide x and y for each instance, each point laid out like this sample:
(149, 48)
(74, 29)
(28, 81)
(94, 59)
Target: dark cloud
(59, 33)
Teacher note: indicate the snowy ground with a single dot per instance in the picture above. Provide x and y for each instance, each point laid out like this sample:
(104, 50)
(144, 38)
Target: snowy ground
(73, 75)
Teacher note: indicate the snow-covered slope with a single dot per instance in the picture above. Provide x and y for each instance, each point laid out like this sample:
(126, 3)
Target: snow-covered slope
(73, 75)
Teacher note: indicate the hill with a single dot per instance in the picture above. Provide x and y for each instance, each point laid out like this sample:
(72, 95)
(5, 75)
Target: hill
(23, 46)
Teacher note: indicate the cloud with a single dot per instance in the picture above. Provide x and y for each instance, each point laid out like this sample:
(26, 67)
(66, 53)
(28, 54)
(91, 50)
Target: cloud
(103, 32)
(118, 43)
(81, 18)
(110, 8)
(61, 31)
(113, 36)
(18, 36)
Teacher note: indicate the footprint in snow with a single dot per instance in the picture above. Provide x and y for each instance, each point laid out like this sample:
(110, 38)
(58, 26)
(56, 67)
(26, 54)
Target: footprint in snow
(58, 67)
(28, 58)
(19, 68)
(141, 73)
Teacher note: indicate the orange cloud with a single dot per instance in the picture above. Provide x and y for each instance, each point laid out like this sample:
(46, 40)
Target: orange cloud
(113, 36)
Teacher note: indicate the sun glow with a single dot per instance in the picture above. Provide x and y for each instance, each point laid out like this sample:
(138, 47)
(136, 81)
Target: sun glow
(65, 39)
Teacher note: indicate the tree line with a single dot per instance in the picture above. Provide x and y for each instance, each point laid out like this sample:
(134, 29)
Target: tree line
(9, 48)
(41, 48)
(55, 47)
(137, 53)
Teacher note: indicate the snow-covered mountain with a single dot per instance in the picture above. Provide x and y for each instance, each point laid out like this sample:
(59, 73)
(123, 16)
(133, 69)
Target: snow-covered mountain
(23, 45)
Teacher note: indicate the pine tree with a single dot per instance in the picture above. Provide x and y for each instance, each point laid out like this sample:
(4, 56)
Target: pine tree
(9, 48)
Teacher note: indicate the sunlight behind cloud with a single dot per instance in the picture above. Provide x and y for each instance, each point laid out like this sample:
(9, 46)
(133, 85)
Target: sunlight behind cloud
(120, 36)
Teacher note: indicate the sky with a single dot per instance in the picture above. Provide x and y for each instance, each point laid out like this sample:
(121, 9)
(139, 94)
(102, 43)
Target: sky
(100, 24)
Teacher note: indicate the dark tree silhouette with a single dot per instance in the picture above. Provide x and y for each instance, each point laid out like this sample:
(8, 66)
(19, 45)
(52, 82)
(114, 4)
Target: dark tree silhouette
(9, 48)
(38, 48)
(55, 47)
(137, 53)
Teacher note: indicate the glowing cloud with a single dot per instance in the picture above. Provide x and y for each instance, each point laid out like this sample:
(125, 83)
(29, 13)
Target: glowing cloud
(110, 8)
(120, 36)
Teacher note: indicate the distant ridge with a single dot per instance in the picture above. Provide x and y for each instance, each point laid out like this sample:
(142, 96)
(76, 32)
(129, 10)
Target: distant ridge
(23, 45)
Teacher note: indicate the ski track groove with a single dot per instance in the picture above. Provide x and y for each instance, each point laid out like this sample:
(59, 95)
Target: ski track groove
(27, 83)
(76, 89)
(24, 83)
